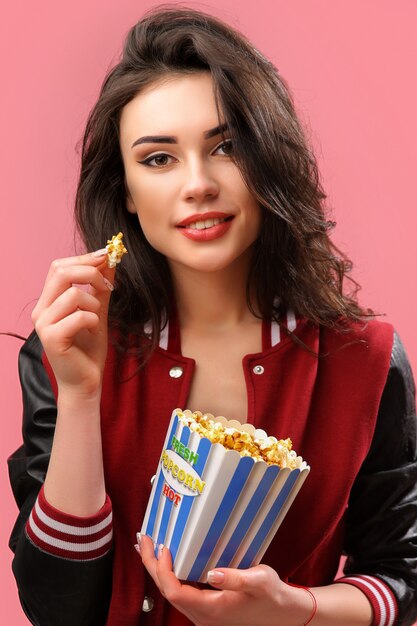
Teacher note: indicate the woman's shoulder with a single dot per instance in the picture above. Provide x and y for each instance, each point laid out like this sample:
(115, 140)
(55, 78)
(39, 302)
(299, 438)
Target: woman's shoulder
(371, 333)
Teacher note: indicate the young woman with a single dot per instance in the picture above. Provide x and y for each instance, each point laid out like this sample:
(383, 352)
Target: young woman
(231, 301)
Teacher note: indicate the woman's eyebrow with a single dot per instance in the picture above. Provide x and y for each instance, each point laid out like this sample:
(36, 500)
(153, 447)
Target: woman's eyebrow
(155, 139)
(217, 130)
(208, 134)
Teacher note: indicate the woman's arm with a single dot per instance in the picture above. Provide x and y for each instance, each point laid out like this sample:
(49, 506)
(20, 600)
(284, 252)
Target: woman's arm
(381, 525)
(72, 325)
(52, 589)
(63, 535)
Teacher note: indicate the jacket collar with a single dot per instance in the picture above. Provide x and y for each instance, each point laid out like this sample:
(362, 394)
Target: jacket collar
(272, 332)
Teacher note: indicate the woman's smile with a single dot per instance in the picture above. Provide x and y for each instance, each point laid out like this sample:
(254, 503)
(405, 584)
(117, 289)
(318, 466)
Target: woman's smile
(205, 227)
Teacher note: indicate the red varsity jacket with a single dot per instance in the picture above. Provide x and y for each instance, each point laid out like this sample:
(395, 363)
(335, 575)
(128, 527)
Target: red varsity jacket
(326, 398)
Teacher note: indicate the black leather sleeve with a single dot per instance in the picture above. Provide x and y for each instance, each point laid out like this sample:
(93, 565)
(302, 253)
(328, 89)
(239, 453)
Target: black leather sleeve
(381, 530)
(53, 591)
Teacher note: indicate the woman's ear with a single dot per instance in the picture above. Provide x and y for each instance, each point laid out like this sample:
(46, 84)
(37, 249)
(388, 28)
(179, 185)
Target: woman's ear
(130, 206)
(129, 201)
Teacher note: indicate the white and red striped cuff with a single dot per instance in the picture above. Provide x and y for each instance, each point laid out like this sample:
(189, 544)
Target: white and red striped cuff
(381, 597)
(69, 536)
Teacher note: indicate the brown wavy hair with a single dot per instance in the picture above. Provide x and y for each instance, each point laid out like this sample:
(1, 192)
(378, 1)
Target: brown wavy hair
(293, 257)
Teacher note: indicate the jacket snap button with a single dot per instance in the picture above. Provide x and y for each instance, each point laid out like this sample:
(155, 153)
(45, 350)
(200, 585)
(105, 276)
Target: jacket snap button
(258, 369)
(176, 372)
(147, 604)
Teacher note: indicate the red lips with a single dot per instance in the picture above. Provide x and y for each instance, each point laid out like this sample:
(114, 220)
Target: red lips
(205, 234)
(200, 217)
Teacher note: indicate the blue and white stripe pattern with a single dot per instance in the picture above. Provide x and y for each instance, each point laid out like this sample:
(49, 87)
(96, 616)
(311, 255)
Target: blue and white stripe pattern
(232, 521)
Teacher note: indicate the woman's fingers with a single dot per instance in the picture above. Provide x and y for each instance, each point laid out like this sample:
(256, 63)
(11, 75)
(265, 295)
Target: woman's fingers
(255, 580)
(147, 553)
(90, 258)
(151, 562)
(73, 299)
(168, 581)
(96, 259)
(63, 277)
(59, 336)
(185, 597)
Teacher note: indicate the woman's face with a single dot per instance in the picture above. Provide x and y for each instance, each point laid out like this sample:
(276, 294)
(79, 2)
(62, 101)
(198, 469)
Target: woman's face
(190, 198)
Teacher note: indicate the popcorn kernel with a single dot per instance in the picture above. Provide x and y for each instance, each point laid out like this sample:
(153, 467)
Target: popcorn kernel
(115, 250)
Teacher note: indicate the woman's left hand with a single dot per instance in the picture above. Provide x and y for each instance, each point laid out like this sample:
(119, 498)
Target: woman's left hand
(255, 596)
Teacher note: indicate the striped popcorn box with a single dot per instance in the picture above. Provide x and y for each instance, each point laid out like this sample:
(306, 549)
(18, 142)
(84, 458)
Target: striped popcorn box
(213, 507)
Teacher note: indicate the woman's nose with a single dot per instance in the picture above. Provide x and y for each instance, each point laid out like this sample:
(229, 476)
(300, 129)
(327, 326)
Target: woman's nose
(200, 183)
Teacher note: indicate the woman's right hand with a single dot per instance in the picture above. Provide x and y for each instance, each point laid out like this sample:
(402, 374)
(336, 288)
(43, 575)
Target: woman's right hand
(71, 322)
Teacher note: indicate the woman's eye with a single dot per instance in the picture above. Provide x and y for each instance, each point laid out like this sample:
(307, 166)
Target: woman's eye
(158, 160)
(226, 147)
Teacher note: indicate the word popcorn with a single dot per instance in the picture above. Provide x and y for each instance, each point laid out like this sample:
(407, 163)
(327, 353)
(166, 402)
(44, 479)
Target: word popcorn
(186, 480)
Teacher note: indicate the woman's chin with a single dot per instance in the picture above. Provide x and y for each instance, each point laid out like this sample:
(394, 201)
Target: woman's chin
(209, 263)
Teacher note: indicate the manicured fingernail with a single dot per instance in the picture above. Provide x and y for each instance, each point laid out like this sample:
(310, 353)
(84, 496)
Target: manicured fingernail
(108, 284)
(137, 548)
(139, 540)
(100, 252)
(160, 549)
(214, 577)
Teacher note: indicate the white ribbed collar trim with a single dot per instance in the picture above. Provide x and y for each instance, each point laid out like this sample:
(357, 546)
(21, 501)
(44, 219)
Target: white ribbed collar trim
(163, 338)
(275, 330)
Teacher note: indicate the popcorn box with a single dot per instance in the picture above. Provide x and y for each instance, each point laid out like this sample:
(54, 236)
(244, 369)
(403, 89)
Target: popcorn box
(213, 507)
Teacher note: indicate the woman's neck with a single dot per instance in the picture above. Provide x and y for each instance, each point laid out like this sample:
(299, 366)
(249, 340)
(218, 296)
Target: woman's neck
(212, 301)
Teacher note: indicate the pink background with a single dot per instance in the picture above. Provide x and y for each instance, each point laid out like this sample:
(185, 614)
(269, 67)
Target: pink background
(351, 67)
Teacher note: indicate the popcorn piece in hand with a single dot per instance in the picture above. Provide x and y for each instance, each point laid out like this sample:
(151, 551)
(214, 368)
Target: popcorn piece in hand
(115, 250)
